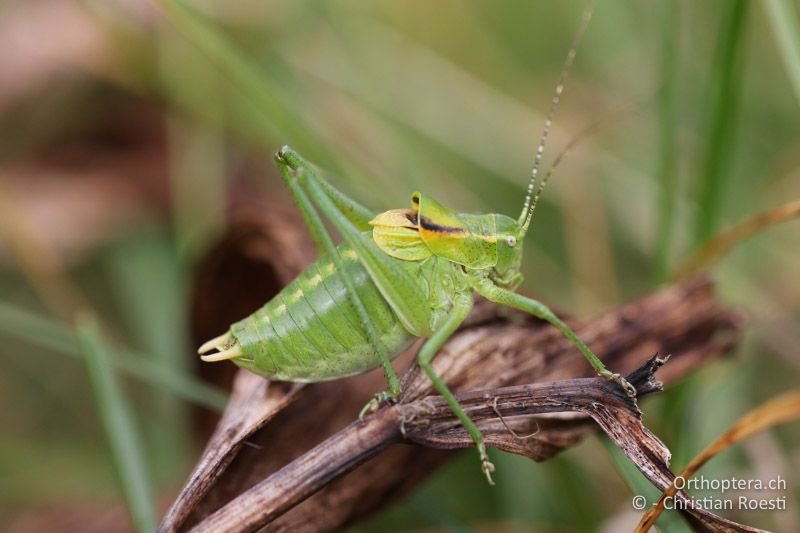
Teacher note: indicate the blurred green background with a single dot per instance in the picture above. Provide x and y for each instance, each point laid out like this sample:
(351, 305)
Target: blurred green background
(121, 144)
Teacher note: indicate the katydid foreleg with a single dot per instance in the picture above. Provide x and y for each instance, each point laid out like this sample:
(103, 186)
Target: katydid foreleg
(461, 308)
(492, 292)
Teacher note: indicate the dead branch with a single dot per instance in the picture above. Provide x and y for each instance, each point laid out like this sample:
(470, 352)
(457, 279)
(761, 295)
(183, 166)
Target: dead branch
(430, 422)
(427, 422)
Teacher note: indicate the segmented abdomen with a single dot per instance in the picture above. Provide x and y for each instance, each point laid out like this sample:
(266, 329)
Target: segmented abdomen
(310, 331)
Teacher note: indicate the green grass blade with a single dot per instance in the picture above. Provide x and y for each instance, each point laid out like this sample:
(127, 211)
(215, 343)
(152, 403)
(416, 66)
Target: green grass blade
(156, 322)
(726, 83)
(668, 522)
(667, 107)
(782, 17)
(271, 107)
(51, 335)
(115, 414)
(241, 71)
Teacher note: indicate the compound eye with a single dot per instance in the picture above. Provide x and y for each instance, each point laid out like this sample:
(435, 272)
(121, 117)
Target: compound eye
(511, 240)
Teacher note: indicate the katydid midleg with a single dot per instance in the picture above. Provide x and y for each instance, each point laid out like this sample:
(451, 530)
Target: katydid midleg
(397, 276)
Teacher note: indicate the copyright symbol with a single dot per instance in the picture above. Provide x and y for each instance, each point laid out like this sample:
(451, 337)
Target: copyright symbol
(639, 502)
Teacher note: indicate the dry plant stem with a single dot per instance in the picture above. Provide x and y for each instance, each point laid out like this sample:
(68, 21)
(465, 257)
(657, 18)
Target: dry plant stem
(297, 481)
(246, 412)
(430, 422)
(719, 245)
(777, 411)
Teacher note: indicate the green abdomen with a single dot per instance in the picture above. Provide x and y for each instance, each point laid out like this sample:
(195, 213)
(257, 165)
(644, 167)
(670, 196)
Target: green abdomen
(310, 332)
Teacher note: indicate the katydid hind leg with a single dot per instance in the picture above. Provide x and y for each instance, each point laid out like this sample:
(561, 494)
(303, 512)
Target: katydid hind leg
(324, 241)
(403, 295)
(401, 290)
(327, 206)
(302, 202)
(356, 213)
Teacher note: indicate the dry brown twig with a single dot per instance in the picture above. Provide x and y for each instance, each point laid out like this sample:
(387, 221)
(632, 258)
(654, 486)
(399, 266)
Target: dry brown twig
(430, 422)
(265, 462)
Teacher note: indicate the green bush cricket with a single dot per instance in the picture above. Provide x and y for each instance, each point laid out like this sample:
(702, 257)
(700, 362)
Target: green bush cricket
(397, 276)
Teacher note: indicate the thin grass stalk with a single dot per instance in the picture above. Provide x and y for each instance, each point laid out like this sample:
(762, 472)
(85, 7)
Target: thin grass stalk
(123, 437)
(724, 103)
(782, 17)
(667, 109)
(241, 70)
(51, 335)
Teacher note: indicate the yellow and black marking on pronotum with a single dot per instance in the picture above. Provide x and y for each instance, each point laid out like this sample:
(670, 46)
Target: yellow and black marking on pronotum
(429, 228)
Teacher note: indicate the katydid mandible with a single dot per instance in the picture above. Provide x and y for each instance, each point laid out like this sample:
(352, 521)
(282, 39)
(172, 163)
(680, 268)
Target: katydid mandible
(397, 276)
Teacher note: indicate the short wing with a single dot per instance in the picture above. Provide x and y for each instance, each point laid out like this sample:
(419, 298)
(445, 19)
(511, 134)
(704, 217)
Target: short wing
(397, 235)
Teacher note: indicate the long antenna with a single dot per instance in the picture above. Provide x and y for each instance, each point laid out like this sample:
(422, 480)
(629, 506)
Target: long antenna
(581, 136)
(530, 199)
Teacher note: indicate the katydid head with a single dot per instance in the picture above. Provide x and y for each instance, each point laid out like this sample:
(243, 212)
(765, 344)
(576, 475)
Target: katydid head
(477, 242)
(510, 236)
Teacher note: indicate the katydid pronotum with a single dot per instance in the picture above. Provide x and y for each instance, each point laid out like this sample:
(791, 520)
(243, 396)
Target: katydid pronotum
(397, 276)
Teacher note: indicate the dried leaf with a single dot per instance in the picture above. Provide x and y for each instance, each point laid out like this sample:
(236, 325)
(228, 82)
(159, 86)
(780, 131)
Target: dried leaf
(780, 410)
(712, 251)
